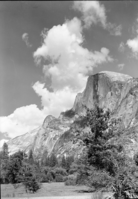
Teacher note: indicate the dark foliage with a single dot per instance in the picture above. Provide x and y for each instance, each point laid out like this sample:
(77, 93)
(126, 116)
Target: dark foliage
(136, 159)
(69, 113)
(30, 157)
(16, 169)
(106, 165)
(29, 177)
(66, 162)
(52, 160)
(13, 167)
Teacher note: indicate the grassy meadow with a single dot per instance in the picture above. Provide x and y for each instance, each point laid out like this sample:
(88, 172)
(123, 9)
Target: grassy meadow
(47, 189)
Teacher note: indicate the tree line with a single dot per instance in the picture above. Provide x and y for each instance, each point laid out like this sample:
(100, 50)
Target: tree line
(22, 169)
(103, 165)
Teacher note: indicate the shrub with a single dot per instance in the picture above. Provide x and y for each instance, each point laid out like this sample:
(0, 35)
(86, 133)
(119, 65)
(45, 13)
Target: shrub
(45, 170)
(81, 179)
(69, 113)
(53, 160)
(32, 185)
(29, 177)
(73, 168)
(44, 178)
(71, 180)
(100, 180)
(60, 171)
(49, 176)
(125, 184)
(59, 178)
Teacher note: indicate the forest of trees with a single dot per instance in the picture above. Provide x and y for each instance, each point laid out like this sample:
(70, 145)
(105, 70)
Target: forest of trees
(22, 169)
(103, 166)
(106, 165)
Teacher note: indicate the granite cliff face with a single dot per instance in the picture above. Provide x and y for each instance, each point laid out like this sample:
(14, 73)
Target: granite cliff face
(108, 90)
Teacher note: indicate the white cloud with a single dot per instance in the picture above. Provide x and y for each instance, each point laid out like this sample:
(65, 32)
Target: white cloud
(114, 30)
(70, 61)
(94, 12)
(121, 47)
(22, 120)
(69, 65)
(25, 38)
(133, 44)
(121, 66)
(54, 102)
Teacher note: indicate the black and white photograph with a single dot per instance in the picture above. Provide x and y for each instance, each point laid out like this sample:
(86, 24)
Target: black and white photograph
(69, 99)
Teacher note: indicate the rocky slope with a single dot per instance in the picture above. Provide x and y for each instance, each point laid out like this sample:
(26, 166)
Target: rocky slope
(108, 90)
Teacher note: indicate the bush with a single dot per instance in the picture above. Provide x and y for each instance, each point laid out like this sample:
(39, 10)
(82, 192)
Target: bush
(100, 180)
(60, 171)
(28, 175)
(74, 168)
(59, 178)
(49, 177)
(45, 170)
(81, 179)
(32, 185)
(53, 174)
(71, 180)
(44, 178)
(69, 113)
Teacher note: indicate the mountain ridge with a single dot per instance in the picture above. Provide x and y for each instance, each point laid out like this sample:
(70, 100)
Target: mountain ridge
(108, 90)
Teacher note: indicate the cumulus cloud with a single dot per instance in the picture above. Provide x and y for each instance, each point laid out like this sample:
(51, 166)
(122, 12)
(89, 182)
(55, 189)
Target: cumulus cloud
(70, 61)
(121, 47)
(133, 44)
(54, 102)
(25, 38)
(121, 66)
(22, 120)
(114, 30)
(69, 64)
(93, 12)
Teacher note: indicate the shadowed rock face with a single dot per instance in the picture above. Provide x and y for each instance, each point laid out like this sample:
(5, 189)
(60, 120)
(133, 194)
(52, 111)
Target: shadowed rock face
(108, 90)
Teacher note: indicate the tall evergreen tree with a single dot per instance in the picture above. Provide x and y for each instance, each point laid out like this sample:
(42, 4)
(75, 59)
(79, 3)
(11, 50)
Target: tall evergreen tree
(4, 159)
(63, 162)
(101, 153)
(5, 151)
(30, 157)
(53, 160)
(105, 156)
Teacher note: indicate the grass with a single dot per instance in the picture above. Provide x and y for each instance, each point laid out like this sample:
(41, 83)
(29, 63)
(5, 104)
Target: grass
(47, 189)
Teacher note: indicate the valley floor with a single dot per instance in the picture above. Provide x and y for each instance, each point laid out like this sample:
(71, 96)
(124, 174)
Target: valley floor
(48, 190)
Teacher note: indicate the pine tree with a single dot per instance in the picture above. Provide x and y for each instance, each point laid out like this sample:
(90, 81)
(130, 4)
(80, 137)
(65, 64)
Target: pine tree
(53, 160)
(28, 176)
(69, 160)
(4, 159)
(63, 162)
(5, 151)
(13, 167)
(30, 157)
(108, 166)
(100, 152)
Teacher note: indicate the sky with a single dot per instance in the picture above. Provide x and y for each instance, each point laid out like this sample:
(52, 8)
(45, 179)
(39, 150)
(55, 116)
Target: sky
(48, 50)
